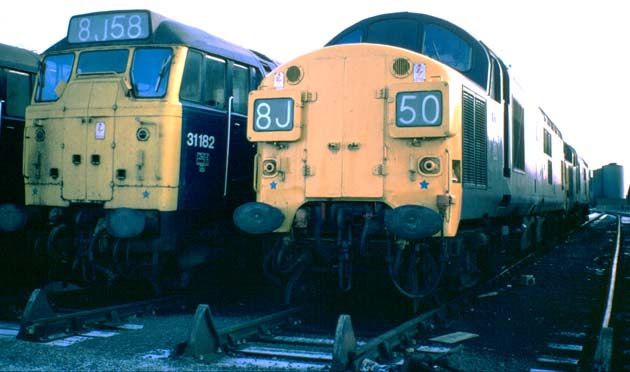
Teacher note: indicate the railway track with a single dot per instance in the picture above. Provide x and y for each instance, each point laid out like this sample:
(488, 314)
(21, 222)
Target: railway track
(42, 322)
(298, 338)
(556, 320)
(613, 347)
(571, 342)
(289, 336)
(598, 338)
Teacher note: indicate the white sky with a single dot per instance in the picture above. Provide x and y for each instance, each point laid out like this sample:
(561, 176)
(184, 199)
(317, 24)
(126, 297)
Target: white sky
(573, 56)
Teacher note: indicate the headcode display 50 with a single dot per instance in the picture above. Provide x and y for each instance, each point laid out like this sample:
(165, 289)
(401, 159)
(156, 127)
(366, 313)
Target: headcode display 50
(109, 26)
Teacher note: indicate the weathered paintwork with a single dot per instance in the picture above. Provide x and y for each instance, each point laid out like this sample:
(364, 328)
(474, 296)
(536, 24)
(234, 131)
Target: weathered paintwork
(349, 148)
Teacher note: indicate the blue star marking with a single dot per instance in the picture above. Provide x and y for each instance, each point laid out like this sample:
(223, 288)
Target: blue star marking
(273, 185)
(35, 191)
(424, 184)
(145, 194)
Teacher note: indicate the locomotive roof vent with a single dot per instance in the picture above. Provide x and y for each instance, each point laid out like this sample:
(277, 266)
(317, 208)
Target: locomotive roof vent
(294, 74)
(401, 67)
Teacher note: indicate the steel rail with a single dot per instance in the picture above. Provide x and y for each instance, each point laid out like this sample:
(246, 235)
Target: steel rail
(604, 348)
(206, 341)
(347, 354)
(41, 323)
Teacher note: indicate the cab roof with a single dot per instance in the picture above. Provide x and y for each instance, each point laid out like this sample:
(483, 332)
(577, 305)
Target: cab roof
(19, 59)
(166, 31)
(398, 35)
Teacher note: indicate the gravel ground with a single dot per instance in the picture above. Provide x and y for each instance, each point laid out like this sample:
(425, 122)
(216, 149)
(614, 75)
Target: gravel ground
(151, 347)
(143, 349)
(515, 324)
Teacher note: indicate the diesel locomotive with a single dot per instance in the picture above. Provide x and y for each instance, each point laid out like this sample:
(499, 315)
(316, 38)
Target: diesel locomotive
(18, 68)
(135, 151)
(405, 146)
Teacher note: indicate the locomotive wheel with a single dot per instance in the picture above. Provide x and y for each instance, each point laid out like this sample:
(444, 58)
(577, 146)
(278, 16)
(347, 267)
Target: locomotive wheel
(60, 253)
(415, 271)
(59, 244)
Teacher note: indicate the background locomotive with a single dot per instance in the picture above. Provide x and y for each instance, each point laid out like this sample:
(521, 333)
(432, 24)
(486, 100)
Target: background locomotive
(135, 147)
(404, 146)
(18, 68)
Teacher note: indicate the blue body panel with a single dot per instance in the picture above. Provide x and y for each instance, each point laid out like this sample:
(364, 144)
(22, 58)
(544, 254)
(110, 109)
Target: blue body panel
(203, 153)
(204, 158)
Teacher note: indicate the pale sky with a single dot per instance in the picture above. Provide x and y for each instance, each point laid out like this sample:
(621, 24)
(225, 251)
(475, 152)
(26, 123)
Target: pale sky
(571, 57)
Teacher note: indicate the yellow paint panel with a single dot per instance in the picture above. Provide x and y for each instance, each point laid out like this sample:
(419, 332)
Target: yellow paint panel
(76, 98)
(74, 159)
(151, 166)
(99, 158)
(345, 128)
(41, 194)
(325, 128)
(88, 143)
(363, 128)
(100, 139)
(158, 198)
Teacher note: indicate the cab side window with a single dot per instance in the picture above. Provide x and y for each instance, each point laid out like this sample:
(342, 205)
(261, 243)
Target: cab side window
(257, 78)
(494, 87)
(546, 142)
(18, 93)
(191, 81)
(214, 91)
(518, 135)
(240, 89)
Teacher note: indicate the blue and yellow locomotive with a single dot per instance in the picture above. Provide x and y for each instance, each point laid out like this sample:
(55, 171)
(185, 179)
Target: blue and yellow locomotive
(404, 146)
(135, 145)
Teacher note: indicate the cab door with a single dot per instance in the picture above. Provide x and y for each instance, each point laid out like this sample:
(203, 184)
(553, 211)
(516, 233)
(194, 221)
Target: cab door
(325, 131)
(89, 125)
(99, 153)
(205, 107)
(345, 128)
(362, 169)
(237, 188)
